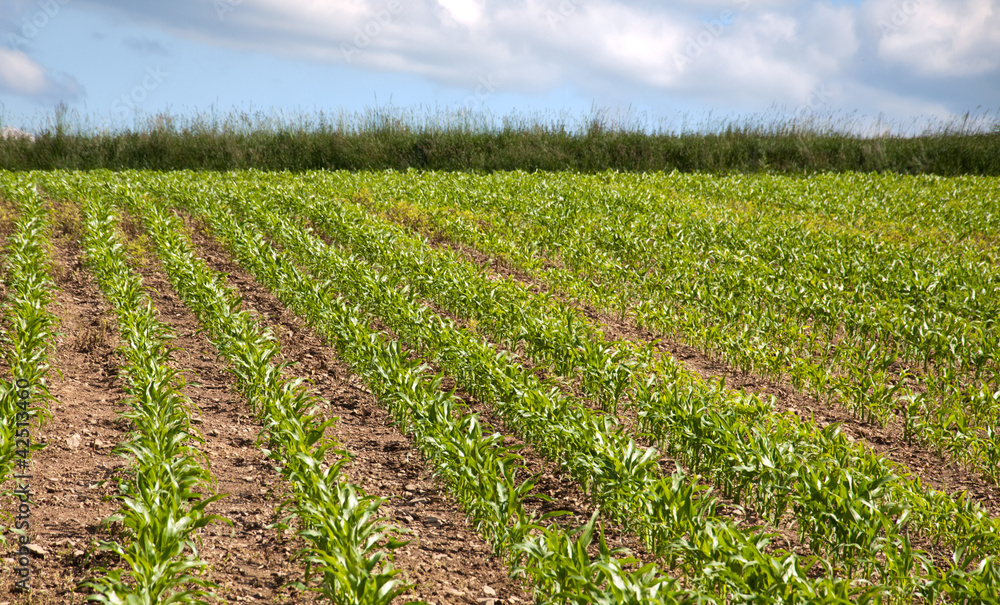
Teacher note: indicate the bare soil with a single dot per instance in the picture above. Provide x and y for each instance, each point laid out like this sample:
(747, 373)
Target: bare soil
(249, 562)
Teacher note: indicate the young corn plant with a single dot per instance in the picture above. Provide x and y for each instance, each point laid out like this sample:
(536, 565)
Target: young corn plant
(361, 233)
(726, 435)
(790, 290)
(374, 285)
(28, 326)
(163, 505)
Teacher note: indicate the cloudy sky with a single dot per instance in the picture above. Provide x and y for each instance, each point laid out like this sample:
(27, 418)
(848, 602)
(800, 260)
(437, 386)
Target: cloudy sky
(674, 63)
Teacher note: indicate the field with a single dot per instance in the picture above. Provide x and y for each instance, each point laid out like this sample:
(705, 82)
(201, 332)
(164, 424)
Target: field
(509, 387)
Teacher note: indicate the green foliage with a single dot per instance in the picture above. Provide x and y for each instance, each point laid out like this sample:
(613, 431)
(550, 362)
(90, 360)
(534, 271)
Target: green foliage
(480, 471)
(773, 274)
(386, 139)
(28, 325)
(807, 298)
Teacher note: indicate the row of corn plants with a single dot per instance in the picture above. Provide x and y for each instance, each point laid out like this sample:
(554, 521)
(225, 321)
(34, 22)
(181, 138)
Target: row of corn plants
(29, 327)
(347, 556)
(162, 495)
(553, 333)
(680, 511)
(746, 453)
(623, 478)
(913, 261)
(962, 580)
(894, 330)
(627, 244)
(482, 472)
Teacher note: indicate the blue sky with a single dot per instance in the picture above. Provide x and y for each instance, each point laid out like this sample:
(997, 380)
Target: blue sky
(674, 64)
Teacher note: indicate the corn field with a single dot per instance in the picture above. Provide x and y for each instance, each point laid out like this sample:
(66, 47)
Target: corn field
(517, 331)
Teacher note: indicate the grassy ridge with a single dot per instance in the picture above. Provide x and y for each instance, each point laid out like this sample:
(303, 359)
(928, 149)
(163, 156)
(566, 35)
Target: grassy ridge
(379, 140)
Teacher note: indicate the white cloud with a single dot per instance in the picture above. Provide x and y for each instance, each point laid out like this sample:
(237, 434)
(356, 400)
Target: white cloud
(940, 37)
(468, 13)
(20, 75)
(632, 44)
(732, 54)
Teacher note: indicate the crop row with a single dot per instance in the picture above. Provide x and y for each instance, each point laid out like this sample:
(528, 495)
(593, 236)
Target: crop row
(346, 550)
(891, 329)
(161, 495)
(481, 471)
(627, 461)
(28, 336)
(556, 335)
(843, 499)
(955, 212)
(624, 479)
(850, 507)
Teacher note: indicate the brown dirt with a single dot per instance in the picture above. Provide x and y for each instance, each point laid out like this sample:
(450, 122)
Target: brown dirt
(7, 216)
(562, 492)
(786, 399)
(627, 418)
(744, 516)
(447, 562)
(887, 442)
(445, 559)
